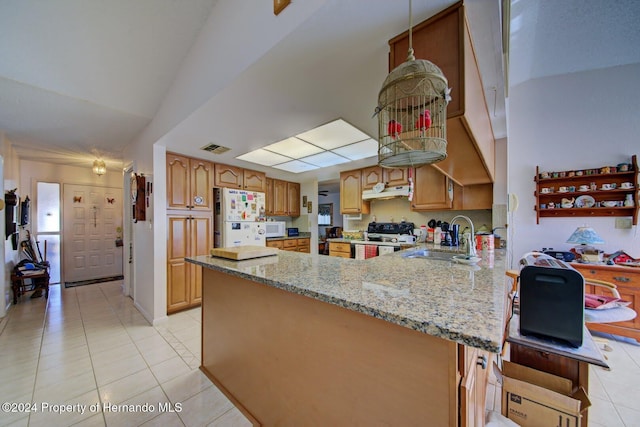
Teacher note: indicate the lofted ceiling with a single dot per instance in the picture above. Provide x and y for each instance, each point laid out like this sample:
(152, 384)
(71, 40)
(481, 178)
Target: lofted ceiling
(81, 79)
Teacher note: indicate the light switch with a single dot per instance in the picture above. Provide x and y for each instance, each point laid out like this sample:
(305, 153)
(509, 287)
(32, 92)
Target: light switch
(623, 222)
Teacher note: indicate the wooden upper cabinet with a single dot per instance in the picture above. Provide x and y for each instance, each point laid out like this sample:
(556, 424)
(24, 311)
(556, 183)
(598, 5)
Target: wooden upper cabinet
(371, 176)
(255, 181)
(293, 198)
(280, 198)
(177, 181)
(351, 193)
(445, 40)
(473, 197)
(189, 183)
(228, 176)
(396, 176)
(201, 185)
(432, 190)
(269, 197)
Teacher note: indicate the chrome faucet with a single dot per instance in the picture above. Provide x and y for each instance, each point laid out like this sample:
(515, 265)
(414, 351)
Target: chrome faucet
(471, 249)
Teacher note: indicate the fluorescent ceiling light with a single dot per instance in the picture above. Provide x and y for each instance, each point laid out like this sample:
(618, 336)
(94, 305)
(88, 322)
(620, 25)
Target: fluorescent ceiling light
(327, 145)
(263, 157)
(325, 159)
(295, 166)
(334, 134)
(359, 150)
(294, 148)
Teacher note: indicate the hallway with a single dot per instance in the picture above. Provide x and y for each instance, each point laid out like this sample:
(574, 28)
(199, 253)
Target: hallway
(91, 346)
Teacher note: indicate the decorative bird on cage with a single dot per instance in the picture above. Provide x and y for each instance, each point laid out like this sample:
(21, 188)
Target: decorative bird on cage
(424, 121)
(394, 128)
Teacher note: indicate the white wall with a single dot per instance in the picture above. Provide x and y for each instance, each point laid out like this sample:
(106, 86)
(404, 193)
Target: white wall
(9, 171)
(575, 121)
(225, 47)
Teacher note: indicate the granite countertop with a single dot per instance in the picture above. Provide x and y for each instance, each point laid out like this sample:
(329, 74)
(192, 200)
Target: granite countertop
(457, 302)
(303, 235)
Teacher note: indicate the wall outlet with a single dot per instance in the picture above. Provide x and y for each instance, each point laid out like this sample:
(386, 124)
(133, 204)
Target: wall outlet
(623, 222)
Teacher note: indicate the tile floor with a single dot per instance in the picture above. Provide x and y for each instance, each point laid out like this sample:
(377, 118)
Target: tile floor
(90, 346)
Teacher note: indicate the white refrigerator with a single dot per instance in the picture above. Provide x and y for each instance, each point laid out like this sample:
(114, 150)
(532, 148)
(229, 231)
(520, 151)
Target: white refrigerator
(239, 218)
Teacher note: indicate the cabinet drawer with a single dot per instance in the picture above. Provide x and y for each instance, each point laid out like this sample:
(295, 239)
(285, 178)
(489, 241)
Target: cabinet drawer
(340, 247)
(341, 254)
(275, 244)
(304, 242)
(291, 249)
(290, 243)
(305, 249)
(618, 278)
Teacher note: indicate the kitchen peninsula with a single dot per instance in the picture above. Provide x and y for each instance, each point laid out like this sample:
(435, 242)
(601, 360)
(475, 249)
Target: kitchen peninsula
(299, 339)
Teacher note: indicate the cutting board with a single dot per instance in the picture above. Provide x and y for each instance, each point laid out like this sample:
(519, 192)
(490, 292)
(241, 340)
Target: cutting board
(243, 252)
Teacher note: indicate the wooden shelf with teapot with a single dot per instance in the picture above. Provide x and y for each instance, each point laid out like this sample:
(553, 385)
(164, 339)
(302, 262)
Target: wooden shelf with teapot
(604, 191)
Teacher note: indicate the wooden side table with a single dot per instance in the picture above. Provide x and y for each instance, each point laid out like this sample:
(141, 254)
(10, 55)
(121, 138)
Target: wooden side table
(39, 280)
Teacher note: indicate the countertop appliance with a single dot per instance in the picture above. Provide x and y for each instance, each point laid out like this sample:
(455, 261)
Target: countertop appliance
(391, 232)
(275, 228)
(551, 299)
(239, 218)
(292, 232)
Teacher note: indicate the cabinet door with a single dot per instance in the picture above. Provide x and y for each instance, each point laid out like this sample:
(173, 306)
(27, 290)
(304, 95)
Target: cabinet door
(293, 198)
(200, 244)
(269, 197)
(275, 244)
(396, 176)
(255, 181)
(351, 193)
(280, 197)
(178, 270)
(228, 176)
(371, 176)
(431, 190)
(201, 188)
(177, 181)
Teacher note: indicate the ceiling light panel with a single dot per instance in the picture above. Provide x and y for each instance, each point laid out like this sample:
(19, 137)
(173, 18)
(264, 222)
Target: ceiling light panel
(325, 159)
(293, 147)
(295, 166)
(359, 150)
(263, 157)
(333, 134)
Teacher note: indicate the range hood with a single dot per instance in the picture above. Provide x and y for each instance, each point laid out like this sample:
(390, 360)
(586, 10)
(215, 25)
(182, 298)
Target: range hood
(387, 193)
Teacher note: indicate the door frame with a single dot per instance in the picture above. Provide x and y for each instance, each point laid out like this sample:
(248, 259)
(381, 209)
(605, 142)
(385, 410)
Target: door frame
(127, 221)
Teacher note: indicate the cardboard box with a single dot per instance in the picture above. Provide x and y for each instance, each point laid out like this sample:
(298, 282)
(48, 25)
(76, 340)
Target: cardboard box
(534, 398)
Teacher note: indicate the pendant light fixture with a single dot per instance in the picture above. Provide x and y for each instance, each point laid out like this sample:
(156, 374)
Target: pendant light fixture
(412, 113)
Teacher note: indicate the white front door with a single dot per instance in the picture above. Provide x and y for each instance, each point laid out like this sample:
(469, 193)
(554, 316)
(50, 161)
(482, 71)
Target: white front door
(91, 216)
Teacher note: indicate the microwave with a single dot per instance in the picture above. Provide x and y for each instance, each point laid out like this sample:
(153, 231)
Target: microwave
(275, 228)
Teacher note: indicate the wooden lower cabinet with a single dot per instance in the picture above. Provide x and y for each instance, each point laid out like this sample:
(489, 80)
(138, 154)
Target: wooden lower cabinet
(627, 279)
(340, 249)
(474, 370)
(295, 245)
(332, 365)
(187, 235)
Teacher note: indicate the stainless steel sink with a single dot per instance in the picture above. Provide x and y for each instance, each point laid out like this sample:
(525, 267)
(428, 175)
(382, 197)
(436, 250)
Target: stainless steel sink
(428, 254)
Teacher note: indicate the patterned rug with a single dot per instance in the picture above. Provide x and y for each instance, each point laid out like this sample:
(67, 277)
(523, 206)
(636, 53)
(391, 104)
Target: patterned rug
(92, 281)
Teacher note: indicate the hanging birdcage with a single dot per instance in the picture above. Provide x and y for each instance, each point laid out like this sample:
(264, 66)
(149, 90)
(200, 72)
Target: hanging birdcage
(412, 115)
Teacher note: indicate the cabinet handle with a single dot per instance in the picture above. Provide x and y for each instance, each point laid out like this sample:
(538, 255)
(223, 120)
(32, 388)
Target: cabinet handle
(482, 361)
(621, 279)
(592, 271)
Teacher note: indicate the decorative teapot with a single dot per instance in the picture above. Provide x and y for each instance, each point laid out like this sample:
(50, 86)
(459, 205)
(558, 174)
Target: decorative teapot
(568, 203)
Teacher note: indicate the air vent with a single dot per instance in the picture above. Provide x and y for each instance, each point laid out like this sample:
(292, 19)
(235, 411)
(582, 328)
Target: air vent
(216, 149)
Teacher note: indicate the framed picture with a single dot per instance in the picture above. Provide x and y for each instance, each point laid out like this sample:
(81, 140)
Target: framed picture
(309, 209)
(279, 5)
(304, 201)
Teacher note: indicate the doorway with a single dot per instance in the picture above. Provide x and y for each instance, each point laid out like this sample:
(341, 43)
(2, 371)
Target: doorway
(48, 226)
(91, 225)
